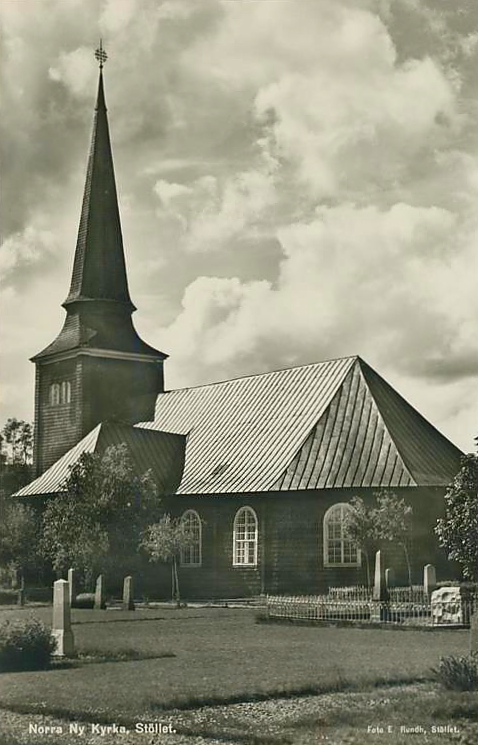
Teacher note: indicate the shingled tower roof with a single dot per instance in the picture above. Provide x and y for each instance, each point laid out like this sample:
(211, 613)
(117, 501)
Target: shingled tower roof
(99, 269)
(98, 305)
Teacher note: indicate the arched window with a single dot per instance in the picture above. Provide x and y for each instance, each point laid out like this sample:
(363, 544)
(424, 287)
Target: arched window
(54, 394)
(192, 555)
(338, 550)
(65, 397)
(245, 532)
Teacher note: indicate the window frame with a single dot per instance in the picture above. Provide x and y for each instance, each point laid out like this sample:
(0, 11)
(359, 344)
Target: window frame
(245, 510)
(54, 394)
(325, 522)
(189, 564)
(65, 392)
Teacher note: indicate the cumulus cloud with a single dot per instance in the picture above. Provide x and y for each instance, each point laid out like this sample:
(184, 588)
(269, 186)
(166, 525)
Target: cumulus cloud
(76, 70)
(293, 185)
(22, 253)
(210, 213)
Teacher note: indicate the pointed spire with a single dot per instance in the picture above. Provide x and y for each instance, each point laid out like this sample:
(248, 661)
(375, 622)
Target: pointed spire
(99, 270)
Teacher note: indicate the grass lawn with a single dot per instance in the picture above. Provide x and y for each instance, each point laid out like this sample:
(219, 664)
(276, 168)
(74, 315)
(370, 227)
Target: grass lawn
(221, 655)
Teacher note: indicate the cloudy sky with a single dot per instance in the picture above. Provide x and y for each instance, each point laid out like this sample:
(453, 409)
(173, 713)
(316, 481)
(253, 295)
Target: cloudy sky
(298, 181)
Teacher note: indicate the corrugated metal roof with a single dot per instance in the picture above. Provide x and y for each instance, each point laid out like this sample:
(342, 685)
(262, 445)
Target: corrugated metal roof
(50, 481)
(332, 424)
(349, 446)
(243, 433)
(162, 452)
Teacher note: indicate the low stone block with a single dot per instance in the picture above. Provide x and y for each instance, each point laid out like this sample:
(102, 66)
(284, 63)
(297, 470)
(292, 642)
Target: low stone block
(451, 606)
(85, 600)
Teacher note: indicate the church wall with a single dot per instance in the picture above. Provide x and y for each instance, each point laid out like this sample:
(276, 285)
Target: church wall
(290, 556)
(216, 577)
(57, 427)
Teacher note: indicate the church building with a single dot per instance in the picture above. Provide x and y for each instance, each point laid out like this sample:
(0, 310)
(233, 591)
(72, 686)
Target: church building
(260, 467)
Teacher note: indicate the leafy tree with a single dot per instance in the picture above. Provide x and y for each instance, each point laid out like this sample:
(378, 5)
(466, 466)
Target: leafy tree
(18, 537)
(361, 528)
(164, 541)
(393, 520)
(18, 436)
(458, 531)
(95, 523)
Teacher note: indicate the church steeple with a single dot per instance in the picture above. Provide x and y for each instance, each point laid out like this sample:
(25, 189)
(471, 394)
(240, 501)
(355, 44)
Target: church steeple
(99, 270)
(98, 368)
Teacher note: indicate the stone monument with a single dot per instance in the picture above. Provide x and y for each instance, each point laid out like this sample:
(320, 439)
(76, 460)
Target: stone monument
(379, 610)
(61, 627)
(73, 584)
(429, 579)
(128, 601)
(100, 602)
(389, 578)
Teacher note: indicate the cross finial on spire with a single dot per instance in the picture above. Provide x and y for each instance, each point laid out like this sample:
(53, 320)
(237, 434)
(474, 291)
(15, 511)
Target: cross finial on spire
(101, 55)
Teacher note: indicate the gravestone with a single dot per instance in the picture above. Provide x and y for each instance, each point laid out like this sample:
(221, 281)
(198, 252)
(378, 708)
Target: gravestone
(73, 585)
(429, 579)
(474, 633)
(21, 592)
(61, 627)
(128, 602)
(389, 578)
(379, 608)
(100, 593)
(379, 586)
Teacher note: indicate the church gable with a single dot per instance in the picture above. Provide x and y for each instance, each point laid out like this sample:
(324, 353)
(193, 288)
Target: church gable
(350, 446)
(370, 436)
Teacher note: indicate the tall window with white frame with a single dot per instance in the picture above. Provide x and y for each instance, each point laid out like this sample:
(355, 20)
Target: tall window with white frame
(339, 551)
(245, 538)
(191, 556)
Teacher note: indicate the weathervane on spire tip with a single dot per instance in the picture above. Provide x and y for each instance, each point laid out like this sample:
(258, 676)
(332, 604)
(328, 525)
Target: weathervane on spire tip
(101, 55)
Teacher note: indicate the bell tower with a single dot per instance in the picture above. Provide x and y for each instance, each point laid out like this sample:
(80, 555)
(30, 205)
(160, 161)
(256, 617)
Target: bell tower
(97, 368)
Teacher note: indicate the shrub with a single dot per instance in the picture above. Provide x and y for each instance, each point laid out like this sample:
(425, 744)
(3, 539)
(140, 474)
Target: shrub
(458, 673)
(25, 645)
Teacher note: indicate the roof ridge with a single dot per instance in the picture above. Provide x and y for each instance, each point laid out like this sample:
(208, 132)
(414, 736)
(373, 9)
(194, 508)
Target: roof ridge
(263, 374)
